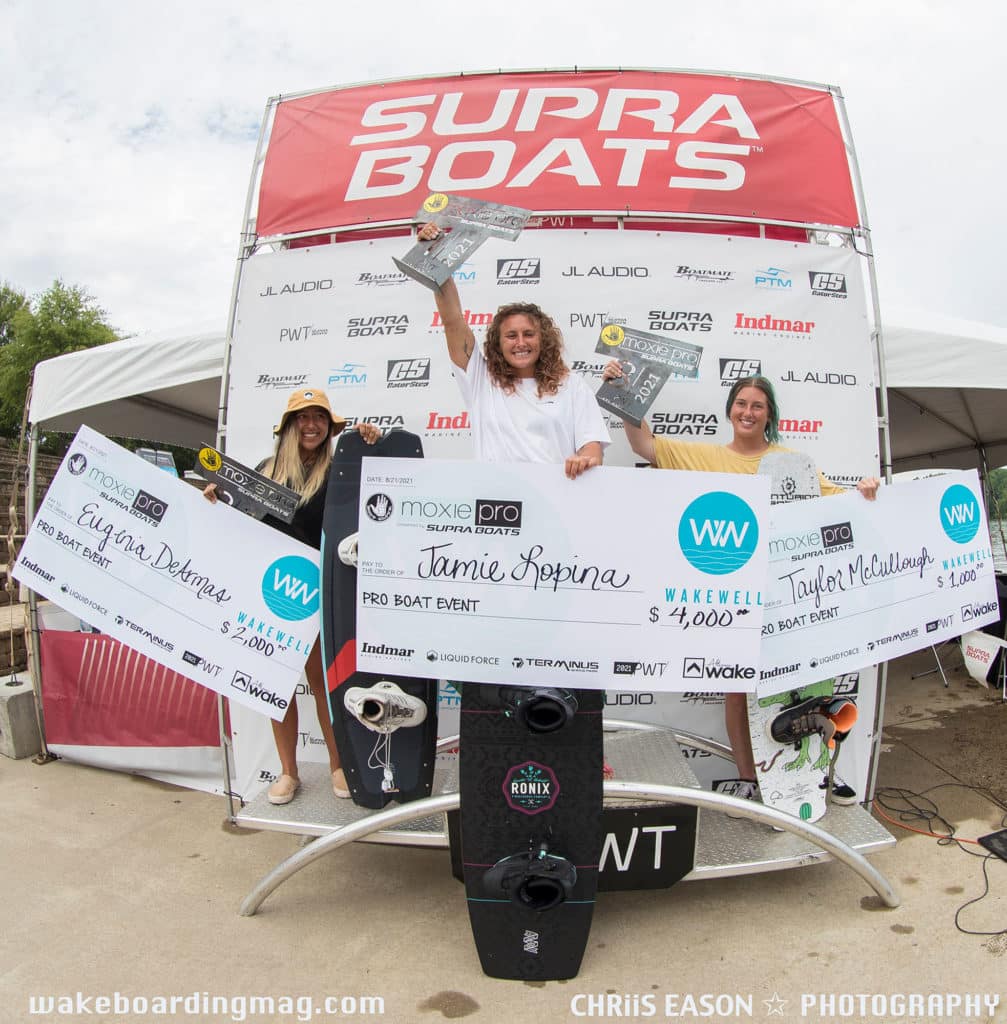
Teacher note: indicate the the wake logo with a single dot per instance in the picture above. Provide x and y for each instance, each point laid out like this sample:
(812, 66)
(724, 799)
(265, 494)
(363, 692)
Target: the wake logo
(826, 285)
(530, 787)
(244, 683)
(281, 382)
(521, 271)
(408, 373)
(960, 513)
(146, 506)
(290, 588)
(349, 375)
(979, 609)
(76, 464)
(714, 668)
(773, 277)
(733, 370)
(718, 533)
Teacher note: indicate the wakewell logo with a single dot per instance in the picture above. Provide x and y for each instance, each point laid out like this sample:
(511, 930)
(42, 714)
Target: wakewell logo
(718, 533)
(960, 513)
(290, 588)
(530, 788)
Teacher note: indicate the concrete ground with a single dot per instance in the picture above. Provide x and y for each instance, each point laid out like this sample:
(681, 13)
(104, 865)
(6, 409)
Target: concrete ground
(119, 885)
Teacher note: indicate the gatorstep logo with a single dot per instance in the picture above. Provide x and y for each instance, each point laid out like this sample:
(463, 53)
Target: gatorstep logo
(530, 788)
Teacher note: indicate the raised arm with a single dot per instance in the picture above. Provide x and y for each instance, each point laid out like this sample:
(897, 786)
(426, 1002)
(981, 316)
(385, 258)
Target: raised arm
(461, 341)
(641, 440)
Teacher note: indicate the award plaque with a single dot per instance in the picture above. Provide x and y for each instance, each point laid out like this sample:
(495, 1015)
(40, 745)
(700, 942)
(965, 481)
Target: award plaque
(632, 395)
(471, 221)
(248, 491)
(681, 357)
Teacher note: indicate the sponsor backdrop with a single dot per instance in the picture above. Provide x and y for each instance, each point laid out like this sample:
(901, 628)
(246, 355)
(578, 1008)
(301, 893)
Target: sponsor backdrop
(341, 317)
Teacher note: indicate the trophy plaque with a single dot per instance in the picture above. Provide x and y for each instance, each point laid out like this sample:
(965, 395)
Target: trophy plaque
(681, 357)
(248, 491)
(471, 222)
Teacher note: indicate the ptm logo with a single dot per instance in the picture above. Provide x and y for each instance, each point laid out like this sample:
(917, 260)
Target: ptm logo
(718, 533)
(733, 370)
(960, 513)
(773, 277)
(527, 271)
(290, 588)
(530, 787)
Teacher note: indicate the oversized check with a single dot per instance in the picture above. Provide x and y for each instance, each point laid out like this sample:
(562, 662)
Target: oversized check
(855, 582)
(200, 588)
(511, 573)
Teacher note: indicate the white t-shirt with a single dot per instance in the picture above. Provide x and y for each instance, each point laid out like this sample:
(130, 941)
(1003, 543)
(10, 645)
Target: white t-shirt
(521, 427)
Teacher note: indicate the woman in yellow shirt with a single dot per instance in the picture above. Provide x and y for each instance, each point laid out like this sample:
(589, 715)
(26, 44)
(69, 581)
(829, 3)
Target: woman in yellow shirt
(755, 419)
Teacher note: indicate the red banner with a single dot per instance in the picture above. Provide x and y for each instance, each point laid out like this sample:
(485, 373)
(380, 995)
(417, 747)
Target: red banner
(622, 141)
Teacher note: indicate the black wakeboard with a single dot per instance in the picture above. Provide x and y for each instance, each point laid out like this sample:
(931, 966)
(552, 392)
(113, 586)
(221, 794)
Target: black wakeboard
(380, 766)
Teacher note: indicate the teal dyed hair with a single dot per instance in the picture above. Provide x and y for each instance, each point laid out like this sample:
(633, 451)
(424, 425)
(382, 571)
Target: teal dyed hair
(763, 384)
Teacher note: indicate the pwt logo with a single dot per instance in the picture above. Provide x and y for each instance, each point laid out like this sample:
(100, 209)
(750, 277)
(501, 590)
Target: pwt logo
(959, 513)
(290, 588)
(718, 533)
(527, 271)
(530, 787)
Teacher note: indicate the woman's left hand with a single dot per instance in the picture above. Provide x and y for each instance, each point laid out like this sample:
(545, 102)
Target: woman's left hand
(577, 464)
(868, 487)
(369, 432)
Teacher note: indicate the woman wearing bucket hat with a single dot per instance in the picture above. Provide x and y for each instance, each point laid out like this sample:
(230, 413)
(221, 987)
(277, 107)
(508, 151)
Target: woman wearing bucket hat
(301, 461)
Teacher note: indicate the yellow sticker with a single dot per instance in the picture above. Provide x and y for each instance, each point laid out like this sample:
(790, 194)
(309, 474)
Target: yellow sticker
(612, 334)
(436, 202)
(209, 458)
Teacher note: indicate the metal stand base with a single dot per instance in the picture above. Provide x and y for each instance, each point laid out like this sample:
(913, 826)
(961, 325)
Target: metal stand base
(740, 844)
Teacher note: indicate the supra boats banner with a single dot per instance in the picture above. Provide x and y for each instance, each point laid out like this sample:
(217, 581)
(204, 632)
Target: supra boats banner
(626, 140)
(511, 573)
(201, 589)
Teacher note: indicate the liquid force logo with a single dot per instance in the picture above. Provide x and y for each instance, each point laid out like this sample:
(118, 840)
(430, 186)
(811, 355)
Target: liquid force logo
(959, 513)
(530, 788)
(290, 588)
(718, 533)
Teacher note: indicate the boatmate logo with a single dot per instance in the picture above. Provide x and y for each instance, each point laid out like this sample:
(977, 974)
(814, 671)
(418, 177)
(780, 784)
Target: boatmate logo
(827, 286)
(76, 464)
(530, 788)
(718, 533)
(281, 382)
(960, 513)
(733, 370)
(704, 276)
(290, 588)
(379, 507)
(381, 280)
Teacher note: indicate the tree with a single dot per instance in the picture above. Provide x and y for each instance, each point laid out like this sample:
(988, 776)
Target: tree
(62, 319)
(11, 300)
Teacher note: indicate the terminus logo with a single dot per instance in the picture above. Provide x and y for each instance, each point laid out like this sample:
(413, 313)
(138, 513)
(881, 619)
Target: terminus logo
(960, 514)
(530, 787)
(718, 533)
(290, 588)
(526, 271)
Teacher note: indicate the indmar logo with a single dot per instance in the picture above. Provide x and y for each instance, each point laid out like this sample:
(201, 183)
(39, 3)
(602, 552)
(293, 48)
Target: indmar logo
(704, 276)
(718, 533)
(827, 286)
(668, 320)
(766, 323)
(408, 373)
(733, 370)
(521, 271)
(530, 788)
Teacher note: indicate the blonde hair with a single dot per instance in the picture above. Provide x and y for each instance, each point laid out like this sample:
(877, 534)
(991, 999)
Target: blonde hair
(285, 467)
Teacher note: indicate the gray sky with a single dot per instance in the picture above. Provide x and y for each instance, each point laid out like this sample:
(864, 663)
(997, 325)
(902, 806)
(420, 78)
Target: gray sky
(130, 126)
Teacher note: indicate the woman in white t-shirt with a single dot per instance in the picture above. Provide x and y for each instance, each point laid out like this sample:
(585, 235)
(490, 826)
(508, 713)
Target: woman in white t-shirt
(524, 403)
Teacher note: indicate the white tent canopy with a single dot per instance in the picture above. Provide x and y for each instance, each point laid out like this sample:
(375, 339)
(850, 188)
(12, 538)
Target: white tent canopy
(947, 392)
(158, 387)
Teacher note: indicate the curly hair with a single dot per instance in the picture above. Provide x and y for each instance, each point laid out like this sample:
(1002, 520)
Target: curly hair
(550, 370)
(765, 386)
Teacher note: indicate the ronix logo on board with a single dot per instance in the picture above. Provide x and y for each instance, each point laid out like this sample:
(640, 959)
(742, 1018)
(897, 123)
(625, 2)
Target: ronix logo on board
(530, 787)
(718, 533)
(290, 588)
(960, 513)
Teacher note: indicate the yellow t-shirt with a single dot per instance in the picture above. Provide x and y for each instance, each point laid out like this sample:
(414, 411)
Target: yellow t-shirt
(717, 458)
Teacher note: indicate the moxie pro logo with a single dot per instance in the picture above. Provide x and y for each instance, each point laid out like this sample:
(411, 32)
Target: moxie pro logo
(146, 506)
(530, 787)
